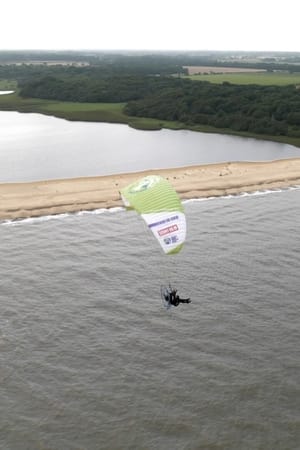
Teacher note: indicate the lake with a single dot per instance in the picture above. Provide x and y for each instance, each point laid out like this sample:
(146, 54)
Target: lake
(35, 147)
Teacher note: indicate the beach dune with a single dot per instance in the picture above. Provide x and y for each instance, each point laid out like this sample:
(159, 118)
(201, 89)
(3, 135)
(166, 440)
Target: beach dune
(21, 200)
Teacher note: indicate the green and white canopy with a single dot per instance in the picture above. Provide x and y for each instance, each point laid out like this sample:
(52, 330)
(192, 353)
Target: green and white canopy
(158, 203)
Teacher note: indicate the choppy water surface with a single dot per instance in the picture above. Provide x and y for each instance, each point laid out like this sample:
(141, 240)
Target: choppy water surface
(90, 359)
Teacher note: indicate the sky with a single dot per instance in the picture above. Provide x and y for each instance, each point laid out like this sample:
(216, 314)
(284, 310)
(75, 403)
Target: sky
(234, 25)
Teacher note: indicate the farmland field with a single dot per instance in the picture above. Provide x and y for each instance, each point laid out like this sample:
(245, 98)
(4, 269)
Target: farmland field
(195, 70)
(263, 78)
(7, 85)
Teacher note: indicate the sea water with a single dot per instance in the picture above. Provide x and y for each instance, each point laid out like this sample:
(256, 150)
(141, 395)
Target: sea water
(90, 359)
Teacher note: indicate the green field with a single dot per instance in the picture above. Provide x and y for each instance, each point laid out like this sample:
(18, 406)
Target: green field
(88, 112)
(263, 78)
(8, 85)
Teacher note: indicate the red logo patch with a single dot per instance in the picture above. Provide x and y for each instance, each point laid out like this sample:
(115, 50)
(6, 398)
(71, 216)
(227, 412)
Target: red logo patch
(168, 230)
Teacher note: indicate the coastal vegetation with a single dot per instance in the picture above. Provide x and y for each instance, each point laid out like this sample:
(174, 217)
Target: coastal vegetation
(155, 91)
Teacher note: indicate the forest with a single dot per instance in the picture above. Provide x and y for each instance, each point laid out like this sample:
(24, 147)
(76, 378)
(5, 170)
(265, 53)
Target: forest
(155, 86)
(270, 110)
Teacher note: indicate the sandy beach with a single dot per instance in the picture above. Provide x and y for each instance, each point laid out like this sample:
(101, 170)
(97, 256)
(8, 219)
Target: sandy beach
(21, 200)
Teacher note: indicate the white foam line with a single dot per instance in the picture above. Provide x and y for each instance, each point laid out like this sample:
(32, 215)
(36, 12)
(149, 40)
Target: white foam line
(33, 220)
(244, 194)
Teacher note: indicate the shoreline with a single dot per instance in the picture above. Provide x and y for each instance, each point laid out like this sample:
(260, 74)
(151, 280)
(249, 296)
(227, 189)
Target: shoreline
(113, 113)
(49, 197)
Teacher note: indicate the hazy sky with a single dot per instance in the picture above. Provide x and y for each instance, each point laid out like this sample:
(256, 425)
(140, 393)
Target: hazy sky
(150, 25)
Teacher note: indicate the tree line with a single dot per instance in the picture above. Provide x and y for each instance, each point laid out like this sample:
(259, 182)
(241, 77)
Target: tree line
(269, 110)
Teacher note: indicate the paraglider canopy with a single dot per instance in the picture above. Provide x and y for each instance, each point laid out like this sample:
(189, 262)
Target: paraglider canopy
(155, 199)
